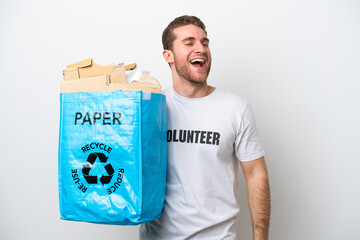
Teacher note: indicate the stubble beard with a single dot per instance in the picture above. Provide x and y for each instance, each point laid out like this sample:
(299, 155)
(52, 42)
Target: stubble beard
(184, 71)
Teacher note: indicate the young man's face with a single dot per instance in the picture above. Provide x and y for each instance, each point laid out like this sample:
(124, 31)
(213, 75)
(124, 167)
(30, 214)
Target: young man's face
(191, 54)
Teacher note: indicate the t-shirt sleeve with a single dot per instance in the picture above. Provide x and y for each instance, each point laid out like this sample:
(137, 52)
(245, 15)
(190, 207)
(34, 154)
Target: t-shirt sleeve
(248, 145)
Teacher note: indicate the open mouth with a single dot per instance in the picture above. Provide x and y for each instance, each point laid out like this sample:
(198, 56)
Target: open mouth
(197, 62)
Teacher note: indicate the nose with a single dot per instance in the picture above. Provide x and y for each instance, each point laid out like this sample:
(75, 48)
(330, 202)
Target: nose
(199, 48)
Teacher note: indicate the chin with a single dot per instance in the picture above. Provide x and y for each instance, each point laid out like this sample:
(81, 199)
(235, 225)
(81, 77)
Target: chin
(197, 81)
(191, 75)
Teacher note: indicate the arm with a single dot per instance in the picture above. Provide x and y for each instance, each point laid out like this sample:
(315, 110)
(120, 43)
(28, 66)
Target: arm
(258, 190)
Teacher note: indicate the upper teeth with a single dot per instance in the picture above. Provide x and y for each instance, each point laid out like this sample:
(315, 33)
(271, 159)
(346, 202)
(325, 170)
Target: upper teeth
(197, 60)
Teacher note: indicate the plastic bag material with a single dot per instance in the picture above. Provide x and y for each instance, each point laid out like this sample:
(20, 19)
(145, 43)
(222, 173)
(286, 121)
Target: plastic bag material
(112, 156)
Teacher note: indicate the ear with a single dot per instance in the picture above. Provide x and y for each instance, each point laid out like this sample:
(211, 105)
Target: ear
(168, 56)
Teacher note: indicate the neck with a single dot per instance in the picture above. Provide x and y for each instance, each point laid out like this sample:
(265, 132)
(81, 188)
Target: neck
(191, 90)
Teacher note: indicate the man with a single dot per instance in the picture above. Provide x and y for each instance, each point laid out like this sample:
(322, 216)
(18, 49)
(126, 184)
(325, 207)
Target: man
(209, 132)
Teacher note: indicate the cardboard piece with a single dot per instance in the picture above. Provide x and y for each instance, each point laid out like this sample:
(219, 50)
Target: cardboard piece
(87, 68)
(130, 67)
(89, 84)
(87, 76)
(134, 87)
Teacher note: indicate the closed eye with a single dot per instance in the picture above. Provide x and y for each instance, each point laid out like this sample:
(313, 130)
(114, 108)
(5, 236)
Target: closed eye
(205, 42)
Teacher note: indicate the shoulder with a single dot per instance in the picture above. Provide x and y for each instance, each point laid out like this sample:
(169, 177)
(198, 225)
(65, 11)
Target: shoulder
(166, 91)
(230, 98)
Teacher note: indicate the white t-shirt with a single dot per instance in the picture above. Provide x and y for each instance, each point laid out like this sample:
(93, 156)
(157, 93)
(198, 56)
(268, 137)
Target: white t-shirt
(206, 139)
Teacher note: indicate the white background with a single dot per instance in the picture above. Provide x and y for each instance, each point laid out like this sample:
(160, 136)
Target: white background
(297, 62)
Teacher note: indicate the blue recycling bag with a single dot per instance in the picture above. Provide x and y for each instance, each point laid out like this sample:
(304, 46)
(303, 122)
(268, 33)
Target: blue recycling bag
(112, 156)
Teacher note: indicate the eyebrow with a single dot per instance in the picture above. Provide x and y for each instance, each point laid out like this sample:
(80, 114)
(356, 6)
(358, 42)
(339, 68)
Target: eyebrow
(205, 39)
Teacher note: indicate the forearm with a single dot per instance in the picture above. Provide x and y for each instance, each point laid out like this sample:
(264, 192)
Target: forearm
(258, 189)
(259, 202)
